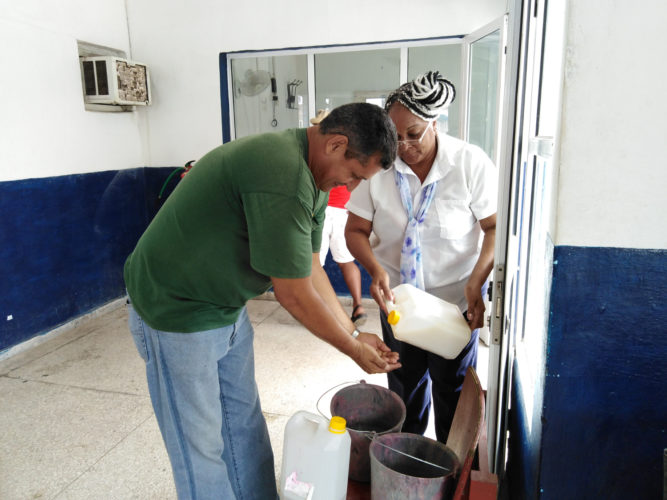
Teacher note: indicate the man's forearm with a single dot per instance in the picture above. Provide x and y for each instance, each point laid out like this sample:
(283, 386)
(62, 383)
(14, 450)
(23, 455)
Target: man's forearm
(304, 302)
(325, 290)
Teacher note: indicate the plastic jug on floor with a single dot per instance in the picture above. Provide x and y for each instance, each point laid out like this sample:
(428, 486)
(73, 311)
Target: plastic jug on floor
(428, 322)
(316, 458)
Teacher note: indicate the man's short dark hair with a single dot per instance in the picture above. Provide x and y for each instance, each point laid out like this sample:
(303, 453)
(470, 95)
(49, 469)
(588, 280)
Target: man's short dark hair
(368, 129)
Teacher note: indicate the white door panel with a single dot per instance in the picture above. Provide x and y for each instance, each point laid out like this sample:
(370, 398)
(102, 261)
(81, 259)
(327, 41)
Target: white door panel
(524, 248)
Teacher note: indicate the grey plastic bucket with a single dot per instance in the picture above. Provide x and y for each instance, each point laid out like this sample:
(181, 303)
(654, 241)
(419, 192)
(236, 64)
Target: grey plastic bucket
(369, 410)
(409, 466)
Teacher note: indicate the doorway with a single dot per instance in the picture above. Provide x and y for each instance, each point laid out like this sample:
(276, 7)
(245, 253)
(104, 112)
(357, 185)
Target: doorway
(499, 71)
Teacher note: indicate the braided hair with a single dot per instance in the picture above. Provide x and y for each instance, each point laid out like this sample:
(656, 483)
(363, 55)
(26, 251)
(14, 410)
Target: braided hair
(427, 96)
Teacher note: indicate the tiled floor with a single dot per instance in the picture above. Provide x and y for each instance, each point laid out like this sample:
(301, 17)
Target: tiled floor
(76, 420)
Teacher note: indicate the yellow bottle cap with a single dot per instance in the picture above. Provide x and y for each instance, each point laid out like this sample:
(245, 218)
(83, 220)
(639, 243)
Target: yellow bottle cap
(337, 425)
(394, 317)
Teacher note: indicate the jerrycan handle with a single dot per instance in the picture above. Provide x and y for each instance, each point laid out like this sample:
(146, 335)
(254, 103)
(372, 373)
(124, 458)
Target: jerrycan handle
(315, 419)
(312, 421)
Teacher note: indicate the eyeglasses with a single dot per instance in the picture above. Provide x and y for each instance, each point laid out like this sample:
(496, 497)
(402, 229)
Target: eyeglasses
(415, 142)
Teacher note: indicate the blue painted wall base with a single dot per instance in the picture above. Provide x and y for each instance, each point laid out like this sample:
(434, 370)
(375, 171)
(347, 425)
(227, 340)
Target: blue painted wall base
(63, 242)
(604, 414)
(338, 282)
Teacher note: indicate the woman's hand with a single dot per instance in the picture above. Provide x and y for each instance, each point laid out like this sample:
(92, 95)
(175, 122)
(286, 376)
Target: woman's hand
(357, 235)
(379, 288)
(476, 306)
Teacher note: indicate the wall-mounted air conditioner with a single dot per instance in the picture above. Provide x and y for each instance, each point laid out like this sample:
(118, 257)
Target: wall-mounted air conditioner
(112, 80)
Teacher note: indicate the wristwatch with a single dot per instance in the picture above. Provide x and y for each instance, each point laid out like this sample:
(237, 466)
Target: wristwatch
(355, 333)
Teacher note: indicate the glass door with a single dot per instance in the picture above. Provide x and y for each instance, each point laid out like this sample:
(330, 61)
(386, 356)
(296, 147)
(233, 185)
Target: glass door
(484, 56)
(484, 101)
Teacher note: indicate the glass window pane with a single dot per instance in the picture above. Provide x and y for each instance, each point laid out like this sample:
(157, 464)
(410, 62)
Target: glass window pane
(446, 59)
(483, 101)
(269, 93)
(357, 76)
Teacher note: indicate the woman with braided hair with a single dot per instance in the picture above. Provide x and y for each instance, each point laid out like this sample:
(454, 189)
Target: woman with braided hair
(432, 217)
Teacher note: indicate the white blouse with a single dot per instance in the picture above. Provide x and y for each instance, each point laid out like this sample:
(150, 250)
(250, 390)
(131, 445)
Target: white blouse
(451, 236)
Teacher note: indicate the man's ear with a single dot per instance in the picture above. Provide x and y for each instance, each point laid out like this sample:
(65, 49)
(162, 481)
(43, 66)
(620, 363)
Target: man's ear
(336, 144)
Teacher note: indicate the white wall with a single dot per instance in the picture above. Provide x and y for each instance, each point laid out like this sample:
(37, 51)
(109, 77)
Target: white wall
(44, 128)
(613, 171)
(181, 42)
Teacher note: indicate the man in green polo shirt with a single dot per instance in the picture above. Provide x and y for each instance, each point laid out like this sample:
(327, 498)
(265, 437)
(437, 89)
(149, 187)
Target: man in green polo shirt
(247, 217)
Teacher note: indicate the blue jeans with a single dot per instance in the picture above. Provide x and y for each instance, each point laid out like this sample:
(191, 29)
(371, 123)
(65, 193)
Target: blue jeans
(205, 398)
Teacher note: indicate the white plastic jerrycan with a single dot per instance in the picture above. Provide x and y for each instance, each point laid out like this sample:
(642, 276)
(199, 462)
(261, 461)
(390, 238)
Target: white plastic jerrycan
(316, 458)
(428, 322)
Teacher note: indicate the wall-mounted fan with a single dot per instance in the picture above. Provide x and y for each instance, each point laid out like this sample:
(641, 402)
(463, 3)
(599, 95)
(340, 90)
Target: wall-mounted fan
(254, 82)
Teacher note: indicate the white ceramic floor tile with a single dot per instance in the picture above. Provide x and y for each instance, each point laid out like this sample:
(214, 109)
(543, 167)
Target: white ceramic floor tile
(63, 335)
(138, 467)
(294, 368)
(281, 316)
(51, 434)
(259, 310)
(104, 359)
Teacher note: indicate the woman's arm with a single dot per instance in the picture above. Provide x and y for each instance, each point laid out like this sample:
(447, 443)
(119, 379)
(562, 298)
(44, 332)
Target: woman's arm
(480, 273)
(357, 234)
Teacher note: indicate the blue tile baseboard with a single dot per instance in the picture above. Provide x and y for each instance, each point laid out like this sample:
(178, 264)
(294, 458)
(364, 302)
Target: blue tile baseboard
(63, 241)
(604, 412)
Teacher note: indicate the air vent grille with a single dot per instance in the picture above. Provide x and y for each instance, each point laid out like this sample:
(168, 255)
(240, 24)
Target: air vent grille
(115, 81)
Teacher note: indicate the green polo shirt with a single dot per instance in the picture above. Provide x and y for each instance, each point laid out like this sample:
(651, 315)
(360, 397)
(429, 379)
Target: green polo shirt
(247, 211)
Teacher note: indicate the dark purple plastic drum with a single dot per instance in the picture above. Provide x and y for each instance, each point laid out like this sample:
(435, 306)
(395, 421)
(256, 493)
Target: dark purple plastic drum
(369, 410)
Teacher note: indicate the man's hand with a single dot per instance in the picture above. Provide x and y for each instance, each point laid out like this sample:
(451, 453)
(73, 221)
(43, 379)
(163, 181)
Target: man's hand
(374, 356)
